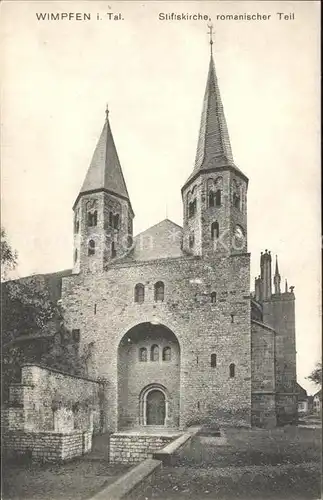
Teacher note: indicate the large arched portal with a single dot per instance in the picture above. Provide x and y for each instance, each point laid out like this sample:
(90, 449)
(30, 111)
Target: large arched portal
(148, 377)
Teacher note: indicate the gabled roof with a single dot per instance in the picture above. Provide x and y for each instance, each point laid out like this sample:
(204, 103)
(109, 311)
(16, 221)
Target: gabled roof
(214, 147)
(302, 393)
(105, 171)
(161, 241)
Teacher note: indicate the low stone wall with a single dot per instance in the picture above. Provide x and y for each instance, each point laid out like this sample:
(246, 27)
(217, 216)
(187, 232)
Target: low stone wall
(47, 446)
(51, 400)
(134, 448)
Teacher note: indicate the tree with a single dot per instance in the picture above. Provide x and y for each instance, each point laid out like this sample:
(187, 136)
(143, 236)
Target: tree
(316, 375)
(8, 255)
(33, 328)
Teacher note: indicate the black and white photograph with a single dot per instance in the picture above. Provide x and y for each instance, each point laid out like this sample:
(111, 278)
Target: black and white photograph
(160, 250)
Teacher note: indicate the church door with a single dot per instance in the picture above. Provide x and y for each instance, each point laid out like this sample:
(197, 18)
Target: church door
(155, 408)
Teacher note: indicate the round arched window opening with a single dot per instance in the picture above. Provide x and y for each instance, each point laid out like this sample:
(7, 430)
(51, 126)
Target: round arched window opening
(139, 293)
(154, 353)
(91, 247)
(159, 291)
(167, 354)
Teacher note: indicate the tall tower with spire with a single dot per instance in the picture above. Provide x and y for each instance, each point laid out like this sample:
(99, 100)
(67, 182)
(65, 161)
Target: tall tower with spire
(102, 211)
(215, 194)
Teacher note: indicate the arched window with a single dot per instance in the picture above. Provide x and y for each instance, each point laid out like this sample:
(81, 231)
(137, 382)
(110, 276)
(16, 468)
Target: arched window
(211, 198)
(154, 353)
(236, 200)
(213, 361)
(159, 291)
(192, 208)
(139, 293)
(113, 250)
(76, 224)
(167, 354)
(191, 240)
(110, 219)
(91, 247)
(75, 256)
(116, 221)
(213, 297)
(214, 230)
(92, 218)
(76, 335)
(143, 354)
(130, 229)
(232, 369)
(218, 198)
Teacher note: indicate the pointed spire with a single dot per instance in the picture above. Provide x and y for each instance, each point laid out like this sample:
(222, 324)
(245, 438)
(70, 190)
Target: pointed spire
(105, 170)
(286, 286)
(213, 148)
(277, 278)
(213, 142)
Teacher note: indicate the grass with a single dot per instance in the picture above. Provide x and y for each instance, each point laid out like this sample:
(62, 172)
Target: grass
(283, 445)
(283, 463)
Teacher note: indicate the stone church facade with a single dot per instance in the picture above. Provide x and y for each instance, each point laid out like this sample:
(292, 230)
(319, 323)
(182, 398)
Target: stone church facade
(167, 317)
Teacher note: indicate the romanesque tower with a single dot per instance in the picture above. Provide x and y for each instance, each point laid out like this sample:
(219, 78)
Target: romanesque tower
(102, 211)
(215, 194)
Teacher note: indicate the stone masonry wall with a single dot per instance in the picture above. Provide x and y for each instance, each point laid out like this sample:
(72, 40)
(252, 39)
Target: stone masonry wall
(263, 357)
(227, 215)
(125, 448)
(102, 306)
(279, 312)
(263, 375)
(47, 446)
(48, 400)
(133, 375)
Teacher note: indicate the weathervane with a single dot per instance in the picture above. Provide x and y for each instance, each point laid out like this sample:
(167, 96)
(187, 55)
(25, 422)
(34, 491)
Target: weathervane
(107, 110)
(210, 26)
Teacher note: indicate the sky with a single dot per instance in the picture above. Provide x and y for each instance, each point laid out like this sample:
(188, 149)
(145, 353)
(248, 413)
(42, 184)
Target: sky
(59, 75)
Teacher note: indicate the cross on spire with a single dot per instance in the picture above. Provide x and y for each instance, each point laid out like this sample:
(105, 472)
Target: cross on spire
(210, 26)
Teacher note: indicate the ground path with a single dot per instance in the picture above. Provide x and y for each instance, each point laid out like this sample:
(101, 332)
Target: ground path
(257, 464)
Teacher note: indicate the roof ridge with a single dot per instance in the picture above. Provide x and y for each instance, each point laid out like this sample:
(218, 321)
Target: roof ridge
(157, 224)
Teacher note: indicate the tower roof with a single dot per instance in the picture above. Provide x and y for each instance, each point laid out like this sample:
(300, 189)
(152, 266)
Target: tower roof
(213, 141)
(105, 171)
(213, 147)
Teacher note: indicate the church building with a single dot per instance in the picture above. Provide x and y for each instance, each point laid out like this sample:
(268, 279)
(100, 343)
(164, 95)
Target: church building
(167, 316)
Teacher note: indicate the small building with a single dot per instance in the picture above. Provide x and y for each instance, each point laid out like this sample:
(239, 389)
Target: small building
(302, 400)
(317, 402)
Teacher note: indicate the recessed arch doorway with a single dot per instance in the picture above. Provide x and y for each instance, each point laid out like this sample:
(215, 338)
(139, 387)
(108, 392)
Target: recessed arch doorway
(154, 405)
(148, 379)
